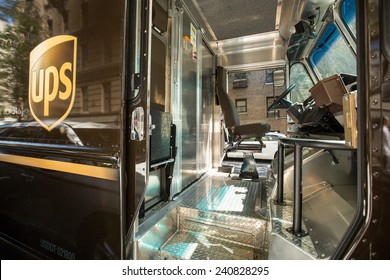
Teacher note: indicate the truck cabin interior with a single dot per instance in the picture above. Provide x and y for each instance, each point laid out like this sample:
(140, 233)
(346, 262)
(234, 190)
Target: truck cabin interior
(195, 129)
(220, 196)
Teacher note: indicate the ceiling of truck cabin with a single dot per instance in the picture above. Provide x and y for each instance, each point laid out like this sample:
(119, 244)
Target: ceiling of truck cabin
(244, 33)
(237, 18)
(223, 20)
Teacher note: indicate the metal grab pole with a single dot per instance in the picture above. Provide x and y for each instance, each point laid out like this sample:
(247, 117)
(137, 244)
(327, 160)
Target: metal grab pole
(297, 211)
(279, 190)
(298, 144)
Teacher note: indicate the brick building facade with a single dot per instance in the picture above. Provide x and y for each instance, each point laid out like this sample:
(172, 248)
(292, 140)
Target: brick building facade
(251, 100)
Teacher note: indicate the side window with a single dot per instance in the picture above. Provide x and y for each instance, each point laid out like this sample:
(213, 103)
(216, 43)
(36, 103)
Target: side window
(332, 55)
(300, 77)
(348, 14)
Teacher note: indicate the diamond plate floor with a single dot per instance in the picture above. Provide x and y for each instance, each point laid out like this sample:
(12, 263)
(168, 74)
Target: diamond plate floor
(226, 195)
(195, 246)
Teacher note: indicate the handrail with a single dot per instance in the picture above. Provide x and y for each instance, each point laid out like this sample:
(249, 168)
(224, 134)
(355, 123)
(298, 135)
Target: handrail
(298, 144)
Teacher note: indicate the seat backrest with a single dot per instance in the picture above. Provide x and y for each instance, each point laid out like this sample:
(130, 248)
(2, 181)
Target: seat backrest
(229, 110)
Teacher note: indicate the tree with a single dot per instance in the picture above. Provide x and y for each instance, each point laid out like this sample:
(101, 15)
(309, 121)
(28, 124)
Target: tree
(23, 31)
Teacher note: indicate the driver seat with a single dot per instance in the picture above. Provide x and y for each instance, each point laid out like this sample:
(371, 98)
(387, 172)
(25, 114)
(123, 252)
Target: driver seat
(237, 132)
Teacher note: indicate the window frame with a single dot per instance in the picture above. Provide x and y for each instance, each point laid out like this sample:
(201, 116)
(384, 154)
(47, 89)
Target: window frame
(343, 16)
(241, 100)
(327, 36)
(272, 114)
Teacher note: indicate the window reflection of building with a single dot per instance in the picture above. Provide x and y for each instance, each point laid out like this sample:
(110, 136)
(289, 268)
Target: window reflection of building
(65, 21)
(50, 27)
(106, 98)
(84, 99)
(98, 56)
(84, 14)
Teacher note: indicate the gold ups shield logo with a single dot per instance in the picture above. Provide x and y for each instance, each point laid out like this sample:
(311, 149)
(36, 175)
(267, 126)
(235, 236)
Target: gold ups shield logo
(52, 86)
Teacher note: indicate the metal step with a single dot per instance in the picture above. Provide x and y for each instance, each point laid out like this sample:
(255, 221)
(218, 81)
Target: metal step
(195, 246)
(214, 235)
(216, 218)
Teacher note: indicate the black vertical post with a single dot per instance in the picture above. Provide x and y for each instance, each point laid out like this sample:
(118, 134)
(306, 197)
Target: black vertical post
(297, 211)
(279, 193)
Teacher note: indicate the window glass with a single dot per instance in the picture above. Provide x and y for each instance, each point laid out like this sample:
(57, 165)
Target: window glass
(300, 77)
(348, 14)
(241, 105)
(332, 55)
(272, 114)
(240, 80)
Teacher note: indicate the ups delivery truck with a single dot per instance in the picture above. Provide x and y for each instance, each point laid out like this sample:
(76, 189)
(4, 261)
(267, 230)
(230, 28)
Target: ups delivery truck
(194, 129)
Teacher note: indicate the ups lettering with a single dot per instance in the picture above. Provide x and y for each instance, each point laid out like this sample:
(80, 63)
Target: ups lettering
(52, 86)
(45, 85)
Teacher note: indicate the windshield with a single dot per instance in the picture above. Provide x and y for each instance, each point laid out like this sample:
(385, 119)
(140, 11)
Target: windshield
(332, 55)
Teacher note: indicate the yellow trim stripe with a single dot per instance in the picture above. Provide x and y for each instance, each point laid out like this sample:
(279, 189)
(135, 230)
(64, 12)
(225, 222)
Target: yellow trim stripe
(74, 168)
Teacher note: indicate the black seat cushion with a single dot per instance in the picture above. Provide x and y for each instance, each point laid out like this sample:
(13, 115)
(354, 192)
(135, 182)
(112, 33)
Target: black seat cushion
(251, 130)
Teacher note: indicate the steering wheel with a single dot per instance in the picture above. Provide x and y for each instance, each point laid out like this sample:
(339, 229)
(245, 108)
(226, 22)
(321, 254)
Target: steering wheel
(280, 102)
